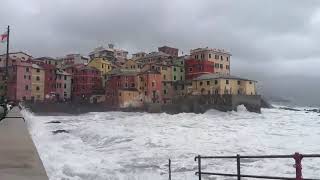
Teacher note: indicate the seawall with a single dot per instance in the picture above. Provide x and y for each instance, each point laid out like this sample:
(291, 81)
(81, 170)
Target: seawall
(19, 159)
(189, 104)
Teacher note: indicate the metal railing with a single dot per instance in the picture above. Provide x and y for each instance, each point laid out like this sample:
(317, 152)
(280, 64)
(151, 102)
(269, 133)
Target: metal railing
(297, 157)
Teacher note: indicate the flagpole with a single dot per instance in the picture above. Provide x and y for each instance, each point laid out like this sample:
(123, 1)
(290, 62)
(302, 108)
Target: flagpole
(7, 61)
(7, 56)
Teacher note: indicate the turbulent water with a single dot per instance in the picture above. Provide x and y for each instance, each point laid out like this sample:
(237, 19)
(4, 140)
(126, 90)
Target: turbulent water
(126, 146)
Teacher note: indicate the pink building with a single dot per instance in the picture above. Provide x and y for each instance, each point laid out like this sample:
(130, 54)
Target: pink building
(152, 85)
(19, 81)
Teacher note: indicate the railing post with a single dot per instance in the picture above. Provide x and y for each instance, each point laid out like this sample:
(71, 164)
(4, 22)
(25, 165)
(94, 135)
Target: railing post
(199, 167)
(169, 169)
(238, 167)
(298, 157)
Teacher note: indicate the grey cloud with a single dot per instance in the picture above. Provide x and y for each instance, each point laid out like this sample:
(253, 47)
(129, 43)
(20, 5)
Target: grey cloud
(268, 38)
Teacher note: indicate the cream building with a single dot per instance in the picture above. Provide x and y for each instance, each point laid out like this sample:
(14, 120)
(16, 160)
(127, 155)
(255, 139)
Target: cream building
(220, 57)
(223, 84)
(37, 83)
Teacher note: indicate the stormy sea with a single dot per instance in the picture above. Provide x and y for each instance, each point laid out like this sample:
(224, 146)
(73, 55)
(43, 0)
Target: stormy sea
(137, 146)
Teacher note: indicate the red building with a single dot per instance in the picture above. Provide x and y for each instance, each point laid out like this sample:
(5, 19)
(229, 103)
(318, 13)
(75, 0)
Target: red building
(119, 81)
(49, 80)
(196, 68)
(151, 81)
(86, 81)
(169, 50)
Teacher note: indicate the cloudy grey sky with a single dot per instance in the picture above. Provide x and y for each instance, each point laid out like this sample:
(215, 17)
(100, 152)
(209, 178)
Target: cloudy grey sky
(275, 42)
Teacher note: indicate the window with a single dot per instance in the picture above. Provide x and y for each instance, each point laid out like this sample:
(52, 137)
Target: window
(174, 77)
(101, 65)
(238, 91)
(27, 69)
(221, 57)
(190, 69)
(38, 78)
(215, 81)
(65, 77)
(227, 67)
(25, 77)
(37, 88)
(38, 70)
(153, 84)
(165, 91)
(181, 78)
(181, 62)
(164, 77)
(200, 83)
(164, 83)
(238, 82)
(126, 85)
(181, 70)
(119, 93)
(29, 77)
(209, 56)
(208, 82)
(65, 85)
(132, 85)
(216, 65)
(26, 87)
(227, 58)
(227, 81)
(174, 69)
(221, 66)
(216, 56)
(250, 82)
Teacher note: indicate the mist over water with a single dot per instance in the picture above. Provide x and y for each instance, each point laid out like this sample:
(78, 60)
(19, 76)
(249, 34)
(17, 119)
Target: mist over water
(127, 145)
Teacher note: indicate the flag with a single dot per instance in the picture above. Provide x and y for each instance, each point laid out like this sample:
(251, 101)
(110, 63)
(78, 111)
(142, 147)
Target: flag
(3, 37)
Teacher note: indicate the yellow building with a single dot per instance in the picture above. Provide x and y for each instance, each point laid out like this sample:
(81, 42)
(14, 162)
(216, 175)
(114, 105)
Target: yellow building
(131, 64)
(129, 98)
(37, 83)
(223, 84)
(104, 66)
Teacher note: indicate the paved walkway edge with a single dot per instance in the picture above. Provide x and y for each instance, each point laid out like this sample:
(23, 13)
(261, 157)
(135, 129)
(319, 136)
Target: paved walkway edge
(19, 158)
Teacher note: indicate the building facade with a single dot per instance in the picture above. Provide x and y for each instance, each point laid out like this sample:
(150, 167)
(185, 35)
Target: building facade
(219, 57)
(104, 66)
(63, 85)
(195, 68)
(74, 59)
(86, 80)
(19, 81)
(169, 50)
(37, 83)
(13, 57)
(223, 84)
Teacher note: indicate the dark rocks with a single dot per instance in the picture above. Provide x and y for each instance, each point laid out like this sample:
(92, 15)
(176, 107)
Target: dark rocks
(60, 131)
(289, 109)
(265, 103)
(313, 110)
(53, 122)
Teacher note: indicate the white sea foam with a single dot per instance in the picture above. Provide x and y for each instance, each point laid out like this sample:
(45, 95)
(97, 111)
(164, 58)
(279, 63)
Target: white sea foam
(123, 146)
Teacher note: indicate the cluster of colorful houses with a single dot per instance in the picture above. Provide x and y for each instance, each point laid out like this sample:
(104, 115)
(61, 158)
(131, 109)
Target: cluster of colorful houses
(108, 76)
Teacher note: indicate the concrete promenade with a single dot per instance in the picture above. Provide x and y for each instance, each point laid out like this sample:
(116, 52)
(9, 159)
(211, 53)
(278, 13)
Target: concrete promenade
(19, 159)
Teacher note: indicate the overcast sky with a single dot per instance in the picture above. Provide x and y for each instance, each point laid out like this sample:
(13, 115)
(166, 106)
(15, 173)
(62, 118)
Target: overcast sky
(274, 41)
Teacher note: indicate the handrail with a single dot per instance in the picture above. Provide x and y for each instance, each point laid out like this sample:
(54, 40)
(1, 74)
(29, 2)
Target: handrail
(297, 157)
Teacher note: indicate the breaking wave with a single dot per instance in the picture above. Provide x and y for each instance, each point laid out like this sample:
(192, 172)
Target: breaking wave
(137, 146)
